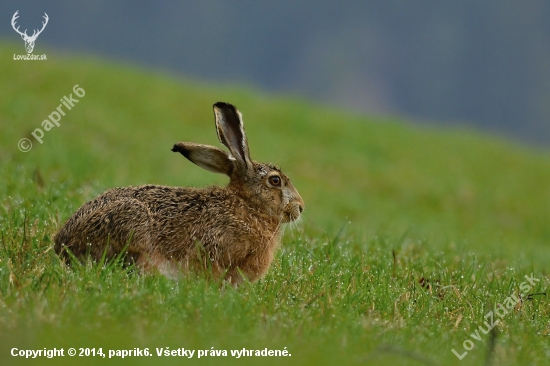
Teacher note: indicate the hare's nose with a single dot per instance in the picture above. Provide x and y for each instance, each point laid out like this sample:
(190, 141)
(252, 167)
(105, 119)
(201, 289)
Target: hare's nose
(301, 208)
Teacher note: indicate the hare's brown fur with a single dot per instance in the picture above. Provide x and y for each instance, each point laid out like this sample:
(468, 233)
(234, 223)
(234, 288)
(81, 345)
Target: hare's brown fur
(232, 230)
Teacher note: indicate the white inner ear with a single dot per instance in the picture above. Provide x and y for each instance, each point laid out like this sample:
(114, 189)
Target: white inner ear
(231, 139)
(243, 136)
(230, 157)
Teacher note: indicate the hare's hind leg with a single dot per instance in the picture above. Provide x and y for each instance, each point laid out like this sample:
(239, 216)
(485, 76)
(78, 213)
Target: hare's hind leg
(124, 225)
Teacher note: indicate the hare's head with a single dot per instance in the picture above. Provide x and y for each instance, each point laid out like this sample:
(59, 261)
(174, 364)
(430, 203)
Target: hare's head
(264, 186)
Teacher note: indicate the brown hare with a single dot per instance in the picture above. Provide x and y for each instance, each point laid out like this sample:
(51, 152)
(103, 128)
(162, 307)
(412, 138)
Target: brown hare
(233, 231)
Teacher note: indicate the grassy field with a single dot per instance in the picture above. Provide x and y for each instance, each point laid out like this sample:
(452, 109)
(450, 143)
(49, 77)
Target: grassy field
(410, 235)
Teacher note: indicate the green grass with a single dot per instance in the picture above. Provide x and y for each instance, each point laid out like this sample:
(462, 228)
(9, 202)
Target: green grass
(410, 235)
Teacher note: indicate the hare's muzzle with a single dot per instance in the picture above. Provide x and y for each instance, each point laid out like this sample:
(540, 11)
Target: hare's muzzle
(294, 210)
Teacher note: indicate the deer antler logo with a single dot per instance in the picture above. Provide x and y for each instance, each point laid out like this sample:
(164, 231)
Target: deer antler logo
(29, 41)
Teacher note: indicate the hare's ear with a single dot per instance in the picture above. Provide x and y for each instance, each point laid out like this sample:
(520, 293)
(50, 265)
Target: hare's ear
(207, 157)
(230, 128)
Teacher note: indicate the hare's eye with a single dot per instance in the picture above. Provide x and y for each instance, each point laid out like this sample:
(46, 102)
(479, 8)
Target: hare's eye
(275, 180)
